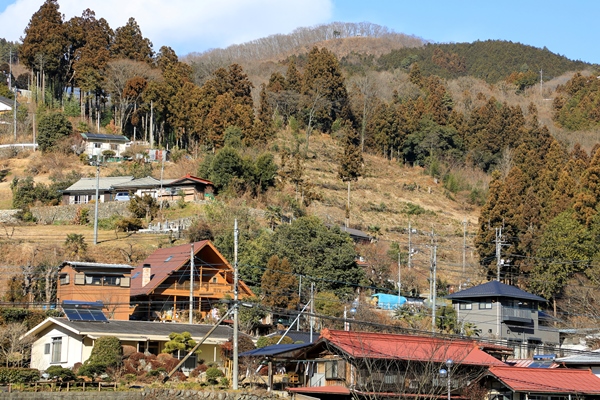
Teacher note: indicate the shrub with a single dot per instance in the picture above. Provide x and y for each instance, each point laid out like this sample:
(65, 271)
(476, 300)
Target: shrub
(106, 353)
(143, 207)
(213, 374)
(18, 375)
(129, 224)
(52, 128)
(58, 372)
(199, 230)
(198, 370)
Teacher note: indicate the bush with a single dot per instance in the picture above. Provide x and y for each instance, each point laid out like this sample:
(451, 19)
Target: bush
(51, 129)
(198, 370)
(109, 224)
(213, 375)
(142, 207)
(18, 375)
(105, 354)
(129, 224)
(199, 230)
(60, 373)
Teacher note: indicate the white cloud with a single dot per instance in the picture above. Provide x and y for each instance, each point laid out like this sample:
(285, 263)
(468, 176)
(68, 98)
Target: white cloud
(185, 25)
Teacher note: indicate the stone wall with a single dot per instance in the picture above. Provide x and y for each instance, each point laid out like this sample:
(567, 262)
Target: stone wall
(49, 214)
(146, 394)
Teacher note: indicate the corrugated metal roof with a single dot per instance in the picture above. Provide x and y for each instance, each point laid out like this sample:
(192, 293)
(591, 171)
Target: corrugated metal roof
(7, 101)
(274, 350)
(591, 358)
(105, 183)
(495, 289)
(82, 264)
(543, 380)
(332, 389)
(140, 182)
(408, 347)
(104, 137)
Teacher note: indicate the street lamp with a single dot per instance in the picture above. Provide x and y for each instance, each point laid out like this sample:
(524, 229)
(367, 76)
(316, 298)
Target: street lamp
(352, 312)
(445, 373)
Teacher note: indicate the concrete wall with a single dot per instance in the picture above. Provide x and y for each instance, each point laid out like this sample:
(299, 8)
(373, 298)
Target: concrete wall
(49, 214)
(146, 394)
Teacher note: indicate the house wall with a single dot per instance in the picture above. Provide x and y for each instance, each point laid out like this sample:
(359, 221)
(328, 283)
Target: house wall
(95, 148)
(115, 297)
(72, 348)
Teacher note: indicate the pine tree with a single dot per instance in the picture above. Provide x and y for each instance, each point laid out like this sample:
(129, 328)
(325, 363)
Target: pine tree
(129, 43)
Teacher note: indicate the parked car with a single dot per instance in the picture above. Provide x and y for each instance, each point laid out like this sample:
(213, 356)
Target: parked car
(122, 196)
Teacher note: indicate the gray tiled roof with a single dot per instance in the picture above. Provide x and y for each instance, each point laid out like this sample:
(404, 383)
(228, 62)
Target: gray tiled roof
(144, 328)
(105, 183)
(495, 289)
(7, 101)
(104, 137)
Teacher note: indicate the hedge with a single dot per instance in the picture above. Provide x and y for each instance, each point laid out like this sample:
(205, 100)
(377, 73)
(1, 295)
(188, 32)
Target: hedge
(18, 375)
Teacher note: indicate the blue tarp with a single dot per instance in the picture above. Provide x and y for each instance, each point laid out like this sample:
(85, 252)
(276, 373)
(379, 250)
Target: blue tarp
(388, 301)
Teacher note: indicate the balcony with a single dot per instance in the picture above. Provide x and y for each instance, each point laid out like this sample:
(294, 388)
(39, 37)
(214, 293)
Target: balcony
(205, 289)
(519, 315)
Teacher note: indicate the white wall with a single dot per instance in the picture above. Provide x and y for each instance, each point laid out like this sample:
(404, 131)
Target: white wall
(71, 352)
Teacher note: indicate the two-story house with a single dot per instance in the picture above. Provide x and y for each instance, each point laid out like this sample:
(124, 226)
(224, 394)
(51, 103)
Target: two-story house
(91, 282)
(508, 313)
(160, 286)
(96, 143)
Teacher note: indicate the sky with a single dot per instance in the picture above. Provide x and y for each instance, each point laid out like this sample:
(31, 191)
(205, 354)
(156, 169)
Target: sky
(565, 28)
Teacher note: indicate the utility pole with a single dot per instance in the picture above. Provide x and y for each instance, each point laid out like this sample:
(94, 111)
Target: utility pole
(191, 321)
(235, 305)
(434, 268)
(541, 83)
(97, 201)
(409, 264)
(299, 300)
(399, 274)
(498, 252)
(312, 309)
(464, 264)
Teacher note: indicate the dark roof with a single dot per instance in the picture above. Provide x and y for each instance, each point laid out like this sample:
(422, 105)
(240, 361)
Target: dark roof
(7, 101)
(189, 178)
(276, 349)
(104, 137)
(494, 289)
(117, 327)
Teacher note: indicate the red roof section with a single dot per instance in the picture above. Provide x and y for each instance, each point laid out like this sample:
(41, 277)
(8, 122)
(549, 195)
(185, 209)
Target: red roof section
(408, 347)
(544, 380)
(334, 389)
(192, 178)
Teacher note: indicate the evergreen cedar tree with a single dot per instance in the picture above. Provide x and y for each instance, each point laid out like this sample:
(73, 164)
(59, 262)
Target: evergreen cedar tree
(279, 285)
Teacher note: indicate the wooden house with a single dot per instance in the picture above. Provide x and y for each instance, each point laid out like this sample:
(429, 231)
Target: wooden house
(160, 286)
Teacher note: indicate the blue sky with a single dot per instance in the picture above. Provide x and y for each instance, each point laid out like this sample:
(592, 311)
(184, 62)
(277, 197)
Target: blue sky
(567, 28)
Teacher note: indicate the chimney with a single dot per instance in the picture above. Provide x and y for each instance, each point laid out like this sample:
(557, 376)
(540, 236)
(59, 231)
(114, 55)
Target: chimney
(146, 274)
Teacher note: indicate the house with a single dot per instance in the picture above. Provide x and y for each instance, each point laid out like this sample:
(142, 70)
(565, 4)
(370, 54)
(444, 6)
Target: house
(160, 286)
(364, 364)
(190, 187)
(584, 360)
(6, 105)
(84, 190)
(60, 341)
(514, 383)
(507, 313)
(92, 282)
(140, 186)
(96, 143)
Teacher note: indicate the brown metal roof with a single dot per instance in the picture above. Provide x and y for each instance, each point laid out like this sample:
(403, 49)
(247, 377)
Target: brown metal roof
(167, 261)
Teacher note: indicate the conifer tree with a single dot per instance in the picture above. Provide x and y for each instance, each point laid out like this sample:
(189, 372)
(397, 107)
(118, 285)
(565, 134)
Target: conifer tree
(350, 162)
(279, 285)
(587, 200)
(129, 43)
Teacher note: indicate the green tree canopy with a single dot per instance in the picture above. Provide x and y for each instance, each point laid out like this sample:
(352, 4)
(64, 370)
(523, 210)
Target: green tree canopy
(52, 128)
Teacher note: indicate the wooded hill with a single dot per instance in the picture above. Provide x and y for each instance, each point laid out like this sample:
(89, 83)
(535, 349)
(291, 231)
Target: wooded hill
(289, 133)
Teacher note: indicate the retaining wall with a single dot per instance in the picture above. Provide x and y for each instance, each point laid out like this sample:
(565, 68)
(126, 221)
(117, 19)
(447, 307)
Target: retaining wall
(47, 215)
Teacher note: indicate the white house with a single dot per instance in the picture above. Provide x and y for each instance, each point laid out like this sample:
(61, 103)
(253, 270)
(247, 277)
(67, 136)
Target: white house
(63, 342)
(96, 143)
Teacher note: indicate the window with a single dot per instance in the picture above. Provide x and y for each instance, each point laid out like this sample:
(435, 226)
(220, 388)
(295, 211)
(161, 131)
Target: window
(93, 280)
(112, 280)
(114, 147)
(79, 279)
(335, 370)
(64, 279)
(97, 145)
(47, 348)
(465, 306)
(56, 350)
(125, 281)
(485, 306)
(214, 279)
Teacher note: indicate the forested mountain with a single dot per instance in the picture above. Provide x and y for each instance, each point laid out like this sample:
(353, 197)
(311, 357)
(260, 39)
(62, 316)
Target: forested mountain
(461, 115)
(490, 60)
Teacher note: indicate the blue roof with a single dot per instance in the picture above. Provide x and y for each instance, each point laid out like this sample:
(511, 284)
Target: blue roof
(274, 350)
(495, 289)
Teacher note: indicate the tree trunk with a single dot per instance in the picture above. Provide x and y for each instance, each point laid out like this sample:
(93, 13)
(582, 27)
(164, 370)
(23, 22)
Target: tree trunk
(348, 207)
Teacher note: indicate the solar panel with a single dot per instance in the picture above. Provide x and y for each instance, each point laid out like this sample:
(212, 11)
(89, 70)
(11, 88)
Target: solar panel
(84, 311)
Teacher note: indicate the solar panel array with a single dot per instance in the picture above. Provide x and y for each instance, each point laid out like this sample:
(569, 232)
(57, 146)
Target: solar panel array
(83, 312)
